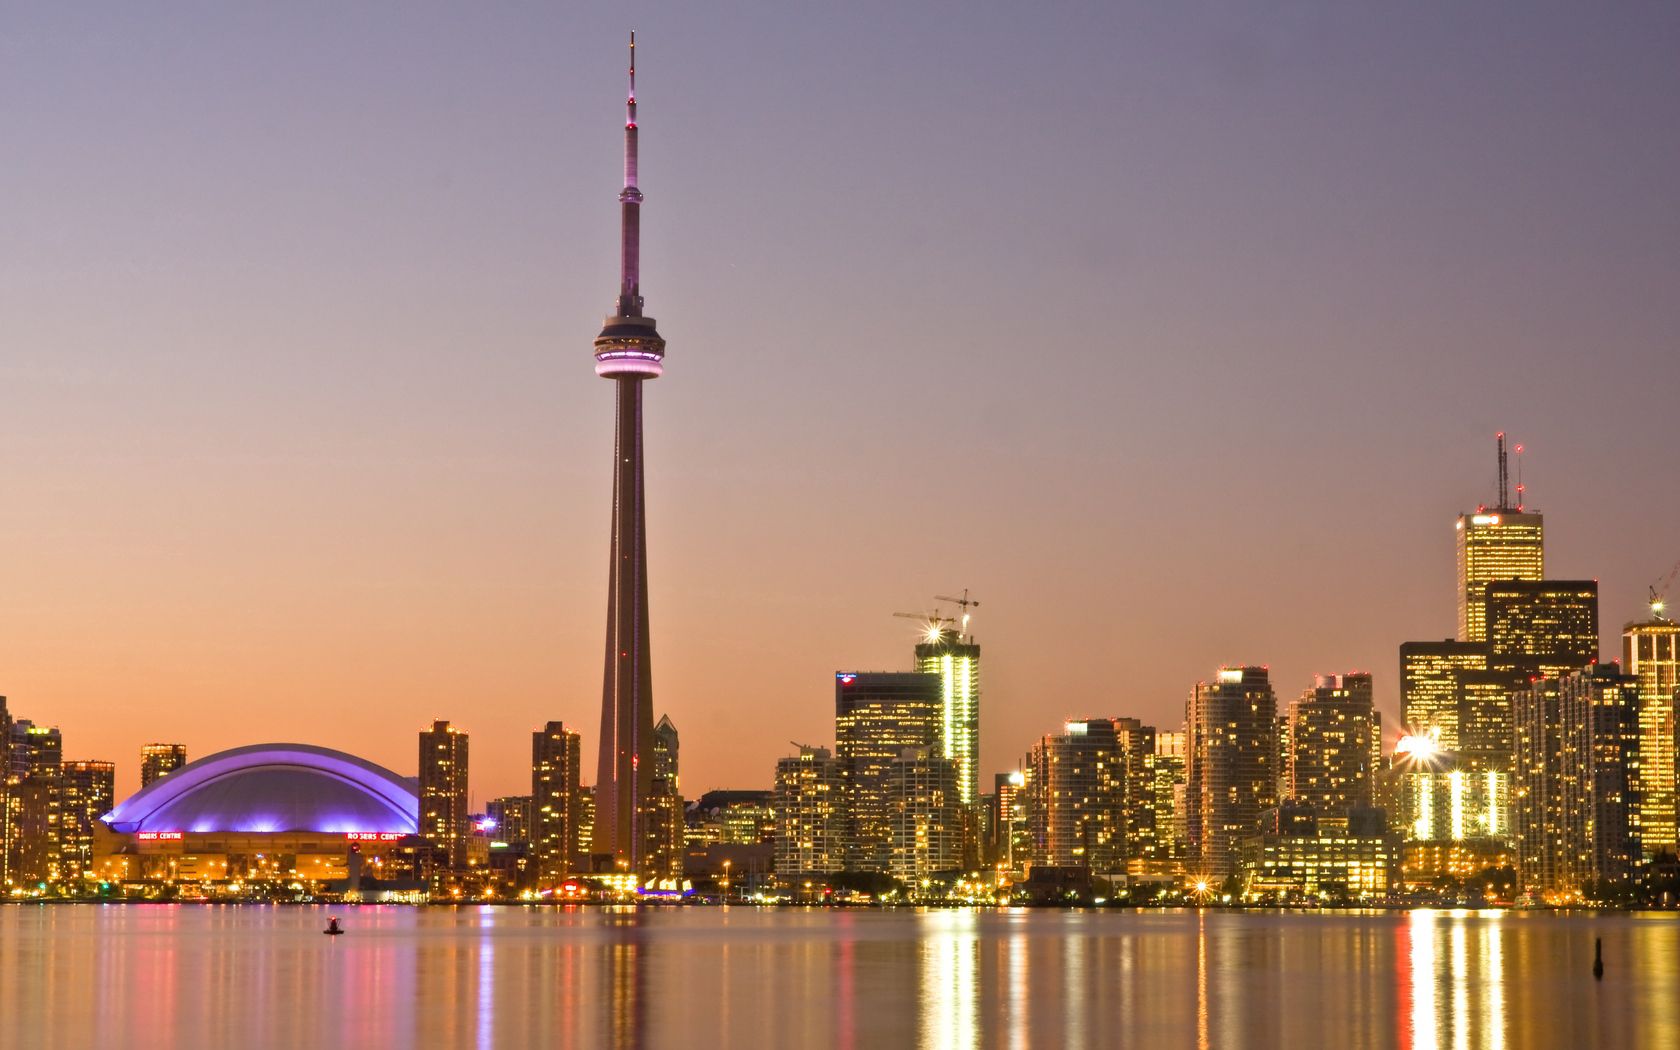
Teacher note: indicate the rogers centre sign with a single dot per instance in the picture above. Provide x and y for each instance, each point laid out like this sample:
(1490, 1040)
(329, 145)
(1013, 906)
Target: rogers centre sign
(159, 836)
(373, 836)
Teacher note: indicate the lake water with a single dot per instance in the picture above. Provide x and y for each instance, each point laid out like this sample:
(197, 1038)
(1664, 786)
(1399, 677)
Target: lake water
(243, 977)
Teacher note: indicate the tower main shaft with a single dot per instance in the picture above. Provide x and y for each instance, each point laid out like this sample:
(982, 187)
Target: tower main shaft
(628, 351)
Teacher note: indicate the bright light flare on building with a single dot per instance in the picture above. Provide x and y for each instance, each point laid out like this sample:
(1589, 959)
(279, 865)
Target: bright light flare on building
(1420, 748)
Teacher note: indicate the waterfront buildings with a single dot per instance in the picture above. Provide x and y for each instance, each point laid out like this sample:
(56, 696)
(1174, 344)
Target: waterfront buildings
(444, 824)
(664, 820)
(88, 791)
(1598, 707)
(1329, 753)
(159, 759)
(877, 716)
(810, 815)
(1090, 795)
(1651, 653)
(925, 815)
(1230, 765)
(511, 817)
(628, 351)
(555, 803)
(1292, 857)
(1430, 685)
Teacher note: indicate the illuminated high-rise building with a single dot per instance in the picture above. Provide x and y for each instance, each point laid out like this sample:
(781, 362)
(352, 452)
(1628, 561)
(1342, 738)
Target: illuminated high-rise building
(1599, 710)
(1091, 795)
(511, 817)
(89, 790)
(8, 810)
(159, 759)
(1231, 748)
(1540, 628)
(662, 810)
(444, 824)
(877, 716)
(955, 658)
(628, 351)
(1429, 685)
(37, 768)
(1330, 745)
(925, 818)
(810, 815)
(1502, 542)
(1651, 653)
(555, 803)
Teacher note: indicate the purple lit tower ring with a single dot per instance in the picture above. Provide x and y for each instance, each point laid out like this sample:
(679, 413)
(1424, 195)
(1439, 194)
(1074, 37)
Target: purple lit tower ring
(628, 351)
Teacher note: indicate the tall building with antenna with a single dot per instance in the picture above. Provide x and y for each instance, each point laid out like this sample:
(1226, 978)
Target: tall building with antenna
(1502, 542)
(628, 351)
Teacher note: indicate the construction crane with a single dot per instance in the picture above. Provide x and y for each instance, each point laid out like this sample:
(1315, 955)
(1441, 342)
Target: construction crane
(1659, 591)
(933, 624)
(964, 602)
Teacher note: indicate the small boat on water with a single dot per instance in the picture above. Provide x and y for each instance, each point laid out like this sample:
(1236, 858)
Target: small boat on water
(332, 929)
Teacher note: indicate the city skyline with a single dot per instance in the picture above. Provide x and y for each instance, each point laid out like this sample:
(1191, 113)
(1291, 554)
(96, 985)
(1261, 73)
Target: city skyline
(382, 538)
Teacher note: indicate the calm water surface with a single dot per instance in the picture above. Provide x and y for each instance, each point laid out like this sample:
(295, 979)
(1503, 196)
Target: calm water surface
(232, 978)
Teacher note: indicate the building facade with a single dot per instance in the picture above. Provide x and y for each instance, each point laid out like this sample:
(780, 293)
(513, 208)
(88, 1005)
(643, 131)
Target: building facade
(1329, 753)
(956, 660)
(444, 823)
(1651, 653)
(1497, 544)
(1430, 685)
(810, 815)
(1540, 628)
(926, 815)
(1230, 773)
(89, 791)
(554, 804)
(877, 716)
(156, 760)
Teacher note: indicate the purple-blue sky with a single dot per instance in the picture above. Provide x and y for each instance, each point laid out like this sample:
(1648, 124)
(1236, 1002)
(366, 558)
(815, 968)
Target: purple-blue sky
(1178, 333)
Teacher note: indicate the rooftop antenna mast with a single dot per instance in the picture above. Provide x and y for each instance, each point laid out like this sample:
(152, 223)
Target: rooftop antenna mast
(1504, 474)
(1517, 451)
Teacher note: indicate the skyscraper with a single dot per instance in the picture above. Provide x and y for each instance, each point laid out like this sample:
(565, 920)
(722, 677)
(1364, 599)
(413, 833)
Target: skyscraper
(1230, 727)
(1651, 653)
(925, 816)
(443, 794)
(1091, 794)
(37, 764)
(628, 351)
(810, 815)
(89, 792)
(1599, 709)
(877, 715)
(662, 808)
(1540, 628)
(956, 660)
(1429, 685)
(1503, 542)
(1330, 745)
(555, 803)
(159, 759)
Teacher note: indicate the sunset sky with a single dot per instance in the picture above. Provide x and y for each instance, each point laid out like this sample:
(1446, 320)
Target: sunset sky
(1178, 333)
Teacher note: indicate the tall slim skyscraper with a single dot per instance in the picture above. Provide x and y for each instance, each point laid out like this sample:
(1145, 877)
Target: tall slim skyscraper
(159, 759)
(628, 351)
(555, 803)
(877, 715)
(1651, 653)
(443, 794)
(1231, 727)
(1502, 542)
(810, 815)
(1599, 708)
(956, 660)
(662, 817)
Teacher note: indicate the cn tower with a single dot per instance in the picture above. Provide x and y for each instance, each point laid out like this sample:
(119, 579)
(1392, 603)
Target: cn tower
(628, 351)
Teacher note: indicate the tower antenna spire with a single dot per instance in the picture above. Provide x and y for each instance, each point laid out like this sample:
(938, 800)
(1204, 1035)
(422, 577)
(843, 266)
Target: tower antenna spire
(630, 201)
(1504, 474)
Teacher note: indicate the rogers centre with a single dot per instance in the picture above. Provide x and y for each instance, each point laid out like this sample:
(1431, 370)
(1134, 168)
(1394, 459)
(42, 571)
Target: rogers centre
(288, 815)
